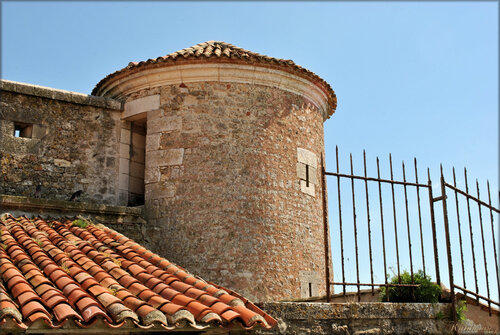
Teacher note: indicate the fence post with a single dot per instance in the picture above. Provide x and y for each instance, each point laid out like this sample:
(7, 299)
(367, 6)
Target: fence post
(448, 248)
(325, 228)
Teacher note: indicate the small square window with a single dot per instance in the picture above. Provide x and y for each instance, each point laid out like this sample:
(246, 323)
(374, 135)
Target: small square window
(23, 130)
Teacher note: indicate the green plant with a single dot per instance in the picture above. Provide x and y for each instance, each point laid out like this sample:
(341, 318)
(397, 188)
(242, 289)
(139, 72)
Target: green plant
(461, 309)
(439, 316)
(425, 292)
(79, 223)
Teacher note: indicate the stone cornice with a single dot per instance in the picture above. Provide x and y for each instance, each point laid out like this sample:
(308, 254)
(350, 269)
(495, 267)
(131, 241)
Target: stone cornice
(124, 84)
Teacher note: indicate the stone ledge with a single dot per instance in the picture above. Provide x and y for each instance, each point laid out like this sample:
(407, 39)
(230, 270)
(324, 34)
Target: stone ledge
(56, 94)
(41, 206)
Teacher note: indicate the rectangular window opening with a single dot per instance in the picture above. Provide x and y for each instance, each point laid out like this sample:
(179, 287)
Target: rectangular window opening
(23, 130)
(310, 290)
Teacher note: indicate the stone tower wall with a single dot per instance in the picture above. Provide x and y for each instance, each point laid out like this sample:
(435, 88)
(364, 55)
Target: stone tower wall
(225, 190)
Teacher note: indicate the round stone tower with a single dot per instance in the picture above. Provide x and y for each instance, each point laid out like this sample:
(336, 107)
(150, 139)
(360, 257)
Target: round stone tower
(232, 174)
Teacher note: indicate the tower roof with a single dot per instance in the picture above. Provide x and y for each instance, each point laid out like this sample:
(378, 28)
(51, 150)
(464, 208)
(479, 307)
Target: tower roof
(218, 51)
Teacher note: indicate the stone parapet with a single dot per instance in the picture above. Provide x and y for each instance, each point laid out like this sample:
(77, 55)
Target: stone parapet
(55, 94)
(358, 318)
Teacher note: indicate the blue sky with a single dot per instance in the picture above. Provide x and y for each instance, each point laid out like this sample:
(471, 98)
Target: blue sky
(418, 79)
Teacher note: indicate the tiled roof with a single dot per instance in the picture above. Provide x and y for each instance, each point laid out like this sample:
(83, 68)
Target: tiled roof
(221, 50)
(62, 274)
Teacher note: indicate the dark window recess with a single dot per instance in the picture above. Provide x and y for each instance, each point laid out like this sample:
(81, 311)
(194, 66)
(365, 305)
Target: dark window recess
(23, 130)
(307, 182)
(310, 290)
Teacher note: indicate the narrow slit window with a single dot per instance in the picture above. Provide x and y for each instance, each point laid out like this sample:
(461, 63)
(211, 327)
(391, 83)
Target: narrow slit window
(310, 290)
(23, 130)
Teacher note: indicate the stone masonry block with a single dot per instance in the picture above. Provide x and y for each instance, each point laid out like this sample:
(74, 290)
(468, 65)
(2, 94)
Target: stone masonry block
(301, 171)
(152, 142)
(136, 169)
(137, 155)
(123, 181)
(165, 158)
(163, 189)
(125, 136)
(136, 185)
(141, 105)
(124, 150)
(313, 176)
(166, 123)
(62, 163)
(307, 157)
(152, 175)
(313, 173)
(124, 165)
(138, 140)
(307, 190)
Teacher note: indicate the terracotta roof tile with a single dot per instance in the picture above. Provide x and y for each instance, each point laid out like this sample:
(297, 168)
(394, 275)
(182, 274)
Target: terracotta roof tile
(54, 273)
(222, 51)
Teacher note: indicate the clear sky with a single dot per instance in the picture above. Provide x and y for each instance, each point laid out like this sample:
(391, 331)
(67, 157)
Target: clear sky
(418, 79)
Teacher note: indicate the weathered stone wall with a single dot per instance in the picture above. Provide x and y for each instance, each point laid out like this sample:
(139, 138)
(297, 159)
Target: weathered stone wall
(73, 146)
(358, 318)
(226, 195)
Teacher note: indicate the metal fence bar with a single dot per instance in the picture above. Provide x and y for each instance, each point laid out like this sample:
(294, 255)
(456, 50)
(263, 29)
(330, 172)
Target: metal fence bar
(478, 296)
(459, 230)
(484, 248)
(355, 229)
(419, 217)
(433, 226)
(408, 224)
(494, 242)
(395, 223)
(468, 196)
(368, 222)
(340, 218)
(370, 284)
(448, 248)
(471, 234)
(382, 223)
(325, 230)
(395, 182)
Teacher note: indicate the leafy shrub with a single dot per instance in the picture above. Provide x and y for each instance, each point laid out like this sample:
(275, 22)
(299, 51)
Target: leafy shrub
(461, 309)
(425, 292)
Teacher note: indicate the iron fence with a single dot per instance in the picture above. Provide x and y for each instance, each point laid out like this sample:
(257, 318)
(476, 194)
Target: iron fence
(409, 233)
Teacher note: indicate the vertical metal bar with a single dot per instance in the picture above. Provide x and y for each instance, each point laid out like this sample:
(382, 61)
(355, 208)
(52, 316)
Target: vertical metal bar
(493, 237)
(395, 223)
(325, 230)
(433, 225)
(448, 249)
(419, 217)
(471, 233)
(382, 225)
(340, 220)
(355, 229)
(459, 229)
(484, 249)
(368, 222)
(408, 223)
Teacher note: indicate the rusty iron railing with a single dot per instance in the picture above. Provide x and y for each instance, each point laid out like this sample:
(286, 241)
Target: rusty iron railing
(417, 220)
